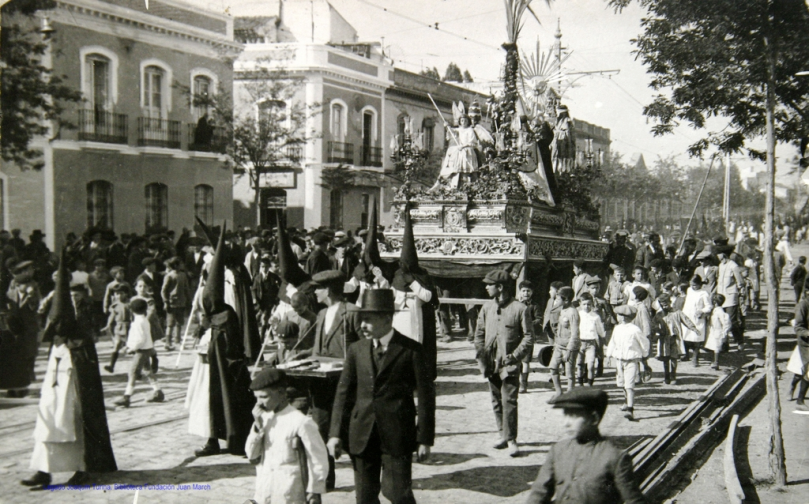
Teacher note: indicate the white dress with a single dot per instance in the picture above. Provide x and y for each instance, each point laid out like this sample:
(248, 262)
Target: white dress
(59, 433)
(697, 307)
(278, 473)
(197, 400)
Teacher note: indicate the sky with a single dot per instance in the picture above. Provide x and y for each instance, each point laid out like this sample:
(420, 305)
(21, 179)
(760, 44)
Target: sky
(470, 33)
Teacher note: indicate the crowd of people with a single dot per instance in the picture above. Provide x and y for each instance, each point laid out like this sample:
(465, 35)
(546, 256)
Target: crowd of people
(327, 296)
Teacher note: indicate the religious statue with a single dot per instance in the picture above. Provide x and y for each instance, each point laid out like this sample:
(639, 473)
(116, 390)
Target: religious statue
(465, 155)
(564, 146)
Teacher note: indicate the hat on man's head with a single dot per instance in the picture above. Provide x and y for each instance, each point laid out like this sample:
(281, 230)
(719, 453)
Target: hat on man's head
(705, 254)
(329, 277)
(36, 233)
(622, 232)
(287, 329)
(320, 238)
(342, 241)
(270, 377)
(724, 249)
(626, 311)
(100, 262)
(497, 276)
(147, 261)
(20, 266)
(592, 280)
(721, 240)
(583, 398)
(526, 284)
(375, 300)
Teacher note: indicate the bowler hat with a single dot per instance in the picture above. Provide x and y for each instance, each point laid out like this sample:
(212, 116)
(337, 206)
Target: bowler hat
(376, 300)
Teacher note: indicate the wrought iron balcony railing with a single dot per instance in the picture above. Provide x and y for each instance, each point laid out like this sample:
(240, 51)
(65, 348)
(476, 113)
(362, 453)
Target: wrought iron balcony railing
(100, 126)
(158, 132)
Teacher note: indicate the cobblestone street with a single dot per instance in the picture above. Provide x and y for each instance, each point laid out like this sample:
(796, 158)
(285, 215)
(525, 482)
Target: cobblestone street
(152, 446)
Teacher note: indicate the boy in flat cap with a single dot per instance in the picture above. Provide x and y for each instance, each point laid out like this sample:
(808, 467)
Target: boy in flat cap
(502, 337)
(628, 346)
(587, 467)
(284, 445)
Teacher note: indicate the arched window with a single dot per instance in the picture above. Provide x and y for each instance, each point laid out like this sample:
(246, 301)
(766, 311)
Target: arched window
(337, 124)
(203, 203)
(156, 80)
(157, 205)
(97, 82)
(203, 89)
(99, 204)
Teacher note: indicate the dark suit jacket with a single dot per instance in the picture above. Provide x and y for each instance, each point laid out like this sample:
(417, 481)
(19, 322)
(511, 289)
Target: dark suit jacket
(318, 261)
(344, 332)
(385, 397)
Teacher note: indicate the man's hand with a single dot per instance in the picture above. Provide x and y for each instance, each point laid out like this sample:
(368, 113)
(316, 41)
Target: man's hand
(129, 351)
(423, 454)
(313, 498)
(335, 447)
(509, 360)
(257, 411)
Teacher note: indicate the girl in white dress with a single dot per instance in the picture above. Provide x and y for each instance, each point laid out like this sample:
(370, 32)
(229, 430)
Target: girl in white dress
(698, 308)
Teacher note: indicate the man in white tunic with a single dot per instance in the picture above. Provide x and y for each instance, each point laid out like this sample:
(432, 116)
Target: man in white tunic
(285, 445)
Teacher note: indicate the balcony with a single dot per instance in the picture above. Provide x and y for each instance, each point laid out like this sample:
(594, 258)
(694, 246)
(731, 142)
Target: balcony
(371, 156)
(340, 152)
(158, 133)
(106, 127)
(211, 139)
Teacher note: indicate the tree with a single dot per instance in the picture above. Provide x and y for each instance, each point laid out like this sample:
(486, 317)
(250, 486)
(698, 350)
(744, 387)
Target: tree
(32, 97)
(267, 131)
(735, 60)
(453, 73)
(431, 73)
(467, 77)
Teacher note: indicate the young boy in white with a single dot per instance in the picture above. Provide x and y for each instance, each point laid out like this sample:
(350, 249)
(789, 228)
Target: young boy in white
(627, 347)
(591, 333)
(718, 329)
(285, 445)
(139, 342)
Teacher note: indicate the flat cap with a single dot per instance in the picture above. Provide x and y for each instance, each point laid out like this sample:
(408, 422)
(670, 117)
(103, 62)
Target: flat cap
(705, 254)
(287, 329)
(622, 232)
(497, 276)
(270, 377)
(527, 284)
(626, 311)
(147, 261)
(342, 241)
(583, 398)
(616, 268)
(21, 266)
(592, 280)
(362, 232)
(320, 238)
(100, 262)
(329, 277)
(121, 287)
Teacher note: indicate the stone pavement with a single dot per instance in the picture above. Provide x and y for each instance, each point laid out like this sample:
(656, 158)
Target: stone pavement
(152, 446)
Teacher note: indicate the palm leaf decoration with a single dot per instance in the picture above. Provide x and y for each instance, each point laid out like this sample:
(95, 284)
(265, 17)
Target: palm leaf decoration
(514, 13)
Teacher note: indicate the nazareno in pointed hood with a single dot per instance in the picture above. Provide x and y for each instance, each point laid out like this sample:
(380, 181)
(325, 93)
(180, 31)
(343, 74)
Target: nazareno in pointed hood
(371, 255)
(291, 271)
(409, 257)
(62, 318)
(5, 281)
(213, 296)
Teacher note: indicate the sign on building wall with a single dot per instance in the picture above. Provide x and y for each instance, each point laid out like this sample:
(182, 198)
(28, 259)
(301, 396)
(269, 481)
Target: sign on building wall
(282, 180)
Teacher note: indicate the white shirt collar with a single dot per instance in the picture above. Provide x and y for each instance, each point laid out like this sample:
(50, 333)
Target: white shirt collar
(384, 341)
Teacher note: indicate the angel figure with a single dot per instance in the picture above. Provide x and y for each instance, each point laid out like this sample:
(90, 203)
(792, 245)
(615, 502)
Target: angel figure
(463, 155)
(564, 146)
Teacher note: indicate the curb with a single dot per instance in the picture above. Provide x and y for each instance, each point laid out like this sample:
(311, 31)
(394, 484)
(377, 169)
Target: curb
(732, 484)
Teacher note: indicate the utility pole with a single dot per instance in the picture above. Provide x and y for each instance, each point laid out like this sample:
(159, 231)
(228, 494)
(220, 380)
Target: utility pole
(726, 197)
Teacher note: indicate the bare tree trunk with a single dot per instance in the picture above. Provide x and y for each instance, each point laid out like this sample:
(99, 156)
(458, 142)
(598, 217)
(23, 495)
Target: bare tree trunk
(256, 196)
(776, 455)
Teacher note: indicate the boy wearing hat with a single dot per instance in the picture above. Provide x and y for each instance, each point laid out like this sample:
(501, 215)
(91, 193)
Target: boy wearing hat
(627, 347)
(284, 444)
(566, 344)
(382, 373)
(318, 259)
(502, 337)
(607, 315)
(586, 467)
(526, 297)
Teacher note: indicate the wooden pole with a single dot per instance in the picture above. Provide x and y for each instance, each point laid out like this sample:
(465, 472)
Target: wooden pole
(776, 455)
(696, 205)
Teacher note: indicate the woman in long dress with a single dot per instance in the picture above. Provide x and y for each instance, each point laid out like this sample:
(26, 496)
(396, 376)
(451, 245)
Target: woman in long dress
(697, 307)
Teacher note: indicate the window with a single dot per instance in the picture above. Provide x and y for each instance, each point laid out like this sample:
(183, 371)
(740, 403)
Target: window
(157, 206)
(203, 203)
(337, 127)
(428, 128)
(99, 204)
(203, 88)
(336, 216)
(364, 215)
(401, 122)
(155, 96)
(97, 87)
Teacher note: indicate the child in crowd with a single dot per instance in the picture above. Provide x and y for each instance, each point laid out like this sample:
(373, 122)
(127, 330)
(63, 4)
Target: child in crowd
(615, 289)
(139, 342)
(678, 300)
(119, 321)
(176, 296)
(698, 308)
(144, 291)
(640, 279)
(118, 277)
(566, 342)
(97, 280)
(718, 329)
(591, 334)
(550, 319)
(627, 347)
(667, 328)
(644, 322)
(285, 446)
(797, 277)
(607, 315)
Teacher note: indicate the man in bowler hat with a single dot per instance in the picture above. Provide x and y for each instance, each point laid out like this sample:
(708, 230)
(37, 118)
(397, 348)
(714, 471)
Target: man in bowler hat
(375, 397)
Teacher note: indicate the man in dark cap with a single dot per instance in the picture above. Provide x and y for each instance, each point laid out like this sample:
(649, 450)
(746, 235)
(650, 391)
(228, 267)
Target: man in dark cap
(318, 259)
(620, 252)
(650, 251)
(71, 433)
(381, 374)
(586, 467)
(336, 328)
(502, 338)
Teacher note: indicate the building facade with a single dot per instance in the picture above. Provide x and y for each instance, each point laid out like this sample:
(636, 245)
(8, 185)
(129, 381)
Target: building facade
(135, 161)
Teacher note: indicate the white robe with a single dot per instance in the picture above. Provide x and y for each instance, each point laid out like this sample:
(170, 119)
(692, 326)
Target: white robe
(278, 474)
(197, 400)
(59, 433)
(698, 308)
(409, 318)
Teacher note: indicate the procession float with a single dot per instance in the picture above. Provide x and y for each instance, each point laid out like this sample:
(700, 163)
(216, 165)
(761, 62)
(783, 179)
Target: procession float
(510, 195)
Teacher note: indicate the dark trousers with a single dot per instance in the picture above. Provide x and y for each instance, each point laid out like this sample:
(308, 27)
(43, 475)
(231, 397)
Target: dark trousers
(322, 393)
(736, 323)
(504, 404)
(396, 483)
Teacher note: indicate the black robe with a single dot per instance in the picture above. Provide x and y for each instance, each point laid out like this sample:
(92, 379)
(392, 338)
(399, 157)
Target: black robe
(246, 312)
(231, 400)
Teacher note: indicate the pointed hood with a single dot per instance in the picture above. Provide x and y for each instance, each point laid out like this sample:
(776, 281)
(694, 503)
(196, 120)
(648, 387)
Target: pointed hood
(409, 256)
(5, 281)
(371, 254)
(213, 296)
(62, 318)
(291, 271)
